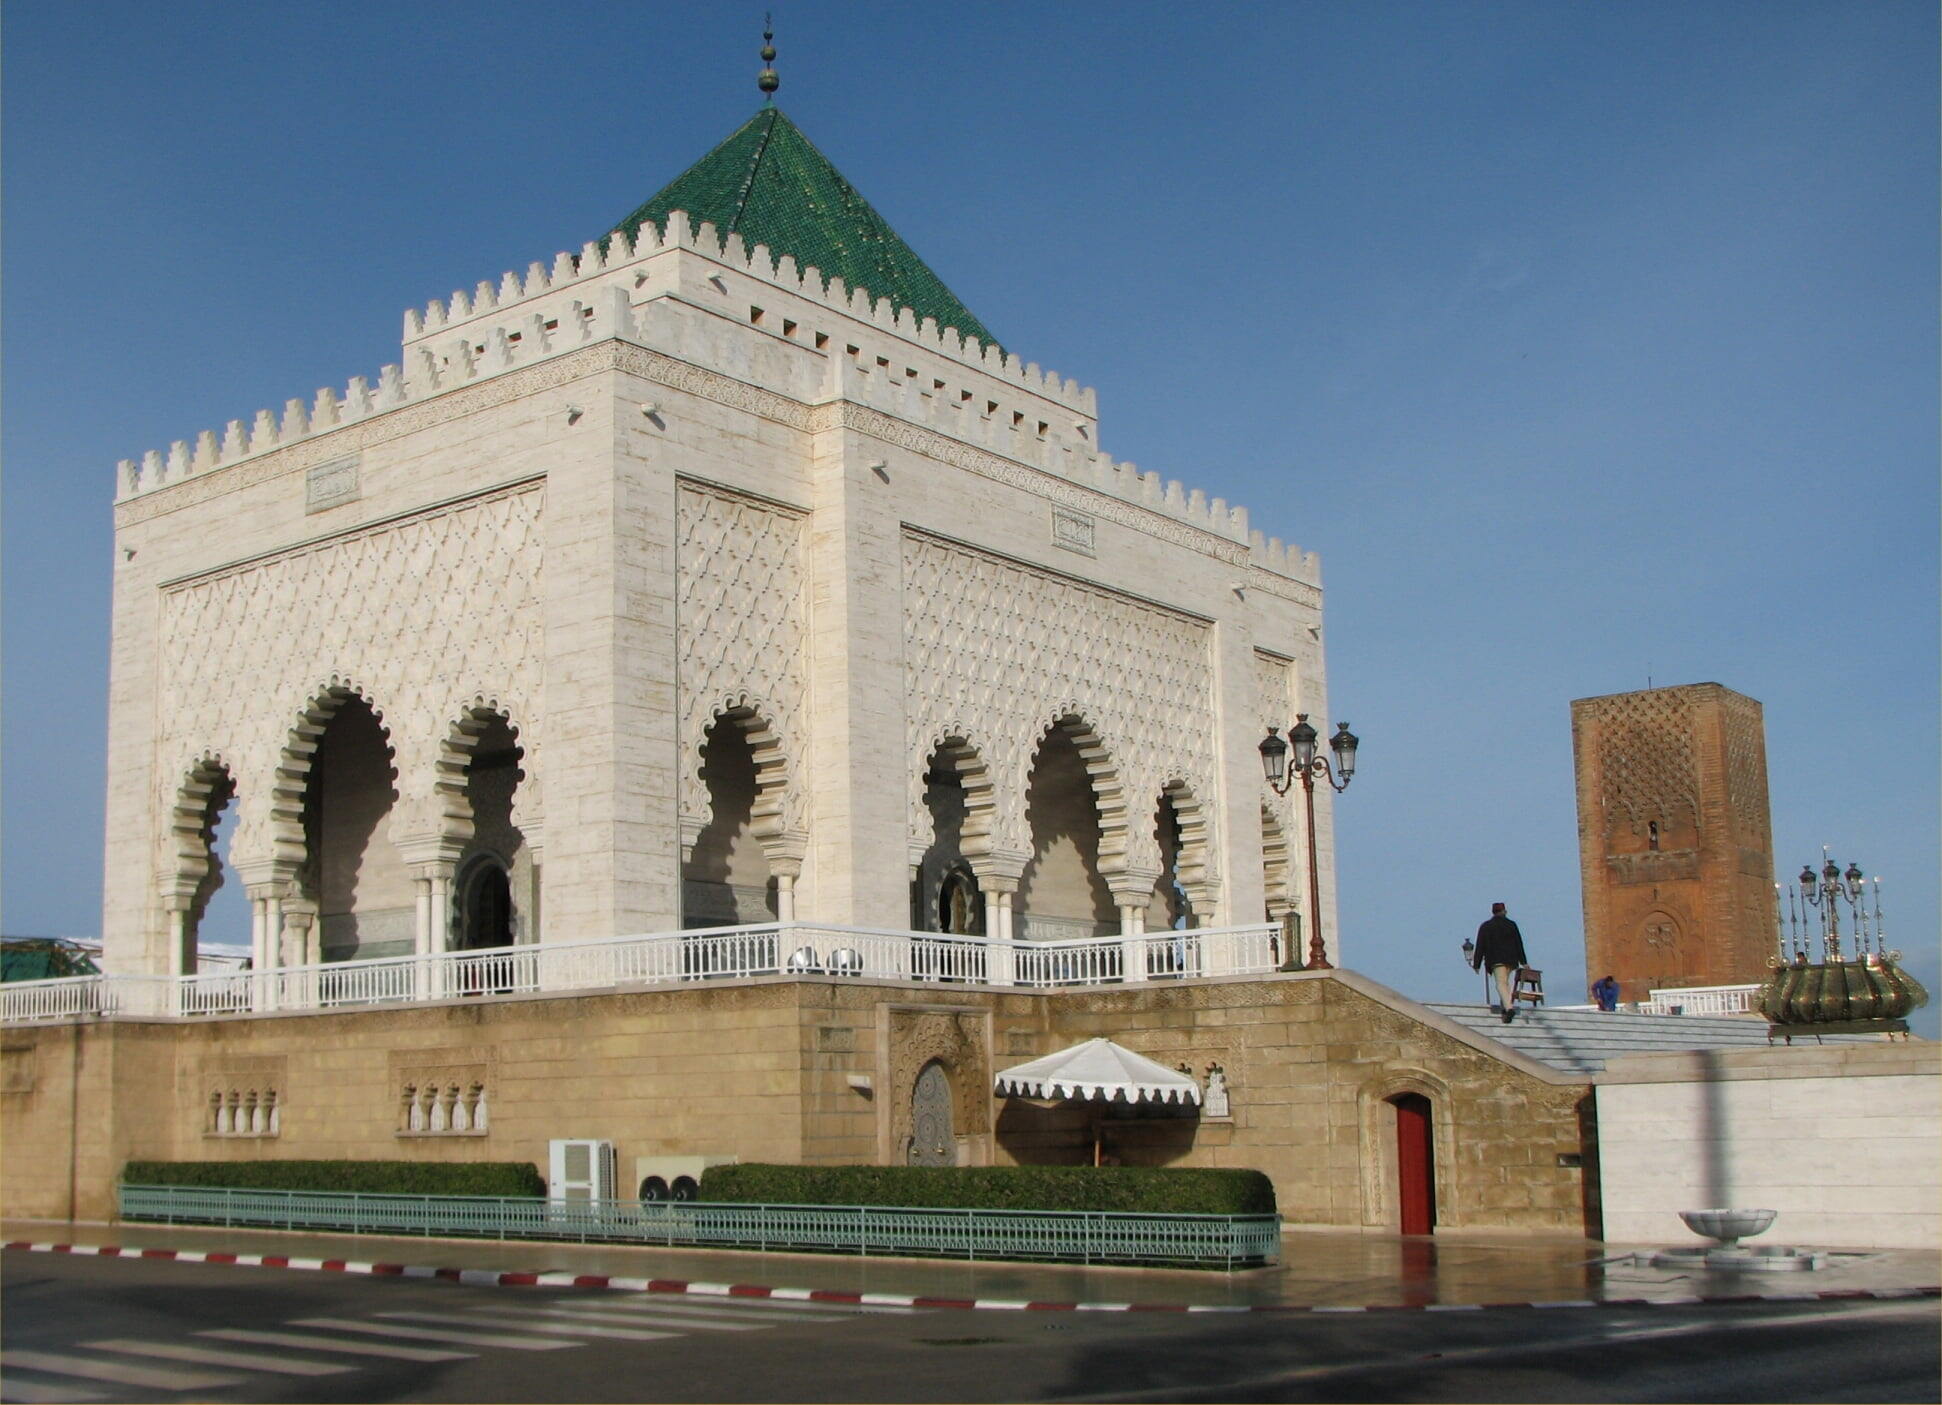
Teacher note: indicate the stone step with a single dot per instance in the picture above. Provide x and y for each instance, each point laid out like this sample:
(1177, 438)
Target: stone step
(1581, 1041)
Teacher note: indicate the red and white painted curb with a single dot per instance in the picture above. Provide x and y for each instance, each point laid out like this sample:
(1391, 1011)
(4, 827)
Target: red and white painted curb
(495, 1278)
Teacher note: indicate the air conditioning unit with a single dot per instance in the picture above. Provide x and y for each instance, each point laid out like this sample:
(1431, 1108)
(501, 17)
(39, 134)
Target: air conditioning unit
(582, 1169)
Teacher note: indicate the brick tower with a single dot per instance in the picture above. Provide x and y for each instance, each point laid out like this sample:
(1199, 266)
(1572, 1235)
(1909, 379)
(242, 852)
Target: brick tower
(1674, 841)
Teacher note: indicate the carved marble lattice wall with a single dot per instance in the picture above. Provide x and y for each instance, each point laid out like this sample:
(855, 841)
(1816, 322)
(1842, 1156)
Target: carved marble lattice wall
(744, 634)
(423, 615)
(995, 652)
(1645, 756)
(1274, 689)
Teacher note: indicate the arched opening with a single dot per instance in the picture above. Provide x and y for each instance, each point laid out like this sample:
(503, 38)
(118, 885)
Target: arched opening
(960, 905)
(945, 893)
(1062, 894)
(933, 1136)
(485, 906)
(1415, 1163)
(726, 880)
(1170, 908)
(362, 890)
(496, 870)
(218, 912)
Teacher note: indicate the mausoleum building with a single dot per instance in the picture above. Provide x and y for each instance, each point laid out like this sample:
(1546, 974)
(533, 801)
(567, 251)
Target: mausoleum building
(726, 570)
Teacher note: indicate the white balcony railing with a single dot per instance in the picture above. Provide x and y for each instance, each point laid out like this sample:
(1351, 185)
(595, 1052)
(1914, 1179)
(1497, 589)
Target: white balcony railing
(1702, 1000)
(664, 958)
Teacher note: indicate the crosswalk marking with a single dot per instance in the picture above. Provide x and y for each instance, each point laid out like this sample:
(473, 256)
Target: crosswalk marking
(696, 1312)
(567, 1324)
(433, 1334)
(35, 1393)
(669, 1319)
(304, 1341)
(783, 1300)
(147, 1377)
(208, 1356)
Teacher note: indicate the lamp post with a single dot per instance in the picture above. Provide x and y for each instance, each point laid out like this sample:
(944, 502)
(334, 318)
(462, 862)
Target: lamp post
(1827, 891)
(1308, 764)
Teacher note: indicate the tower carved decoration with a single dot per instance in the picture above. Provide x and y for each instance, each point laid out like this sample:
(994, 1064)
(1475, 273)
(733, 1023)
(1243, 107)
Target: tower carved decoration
(1045, 647)
(427, 618)
(1674, 839)
(744, 646)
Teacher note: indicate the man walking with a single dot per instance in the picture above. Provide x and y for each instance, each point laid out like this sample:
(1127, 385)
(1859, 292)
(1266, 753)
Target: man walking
(1500, 951)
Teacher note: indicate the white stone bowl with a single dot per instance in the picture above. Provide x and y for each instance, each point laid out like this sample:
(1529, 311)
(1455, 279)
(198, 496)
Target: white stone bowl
(1727, 1225)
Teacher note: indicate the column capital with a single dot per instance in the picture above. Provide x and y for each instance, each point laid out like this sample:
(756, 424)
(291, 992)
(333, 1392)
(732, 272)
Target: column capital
(999, 866)
(429, 848)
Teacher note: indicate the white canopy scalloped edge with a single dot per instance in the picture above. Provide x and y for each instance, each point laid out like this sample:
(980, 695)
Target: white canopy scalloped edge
(1099, 1069)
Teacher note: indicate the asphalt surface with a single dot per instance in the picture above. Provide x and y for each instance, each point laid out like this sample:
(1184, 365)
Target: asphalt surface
(93, 1328)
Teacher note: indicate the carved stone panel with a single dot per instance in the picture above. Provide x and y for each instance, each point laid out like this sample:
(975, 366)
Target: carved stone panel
(423, 614)
(744, 641)
(1646, 760)
(954, 1040)
(996, 651)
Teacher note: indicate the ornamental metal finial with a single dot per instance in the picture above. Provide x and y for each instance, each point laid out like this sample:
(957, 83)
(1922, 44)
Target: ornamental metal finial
(767, 81)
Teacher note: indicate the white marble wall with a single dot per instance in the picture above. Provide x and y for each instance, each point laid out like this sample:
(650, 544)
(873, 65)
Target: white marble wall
(1845, 1141)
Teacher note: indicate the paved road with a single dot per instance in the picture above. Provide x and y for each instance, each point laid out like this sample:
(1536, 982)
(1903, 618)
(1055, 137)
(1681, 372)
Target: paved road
(91, 1329)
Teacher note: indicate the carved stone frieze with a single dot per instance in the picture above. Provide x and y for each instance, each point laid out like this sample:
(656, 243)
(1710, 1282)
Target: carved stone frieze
(1046, 646)
(1646, 759)
(986, 464)
(744, 638)
(426, 613)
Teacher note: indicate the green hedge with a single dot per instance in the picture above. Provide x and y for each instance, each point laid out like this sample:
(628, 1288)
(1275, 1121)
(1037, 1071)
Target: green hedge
(371, 1177)
(1124, 1189)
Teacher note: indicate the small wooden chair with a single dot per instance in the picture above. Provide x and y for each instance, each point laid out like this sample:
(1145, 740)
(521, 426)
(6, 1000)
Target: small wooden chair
(1529, 986)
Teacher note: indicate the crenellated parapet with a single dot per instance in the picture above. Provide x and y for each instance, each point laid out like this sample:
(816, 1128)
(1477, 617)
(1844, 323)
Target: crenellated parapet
(425, 372)
(1001, 404)
(600, 260)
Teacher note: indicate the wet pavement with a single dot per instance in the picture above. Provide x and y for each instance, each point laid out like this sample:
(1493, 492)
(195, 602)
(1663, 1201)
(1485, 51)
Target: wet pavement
(1319, 1269)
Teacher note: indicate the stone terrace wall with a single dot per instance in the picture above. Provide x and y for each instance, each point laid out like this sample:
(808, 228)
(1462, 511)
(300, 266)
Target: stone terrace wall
(819, 1070)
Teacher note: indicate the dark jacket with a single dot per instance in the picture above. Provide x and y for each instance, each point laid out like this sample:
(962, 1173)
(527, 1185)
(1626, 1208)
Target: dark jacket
(1499, 943)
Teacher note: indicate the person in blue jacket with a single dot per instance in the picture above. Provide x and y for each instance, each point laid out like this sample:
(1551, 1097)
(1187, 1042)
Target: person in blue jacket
(1605, 991)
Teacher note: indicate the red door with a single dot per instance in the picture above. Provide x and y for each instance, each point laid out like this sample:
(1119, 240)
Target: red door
(1415, 1164)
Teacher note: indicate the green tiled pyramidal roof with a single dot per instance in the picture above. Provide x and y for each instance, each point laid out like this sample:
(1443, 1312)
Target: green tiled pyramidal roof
(770, 185)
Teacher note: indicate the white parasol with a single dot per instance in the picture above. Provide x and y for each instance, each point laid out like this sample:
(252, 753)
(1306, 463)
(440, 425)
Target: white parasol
(1099, 1069)
(1097, 1072)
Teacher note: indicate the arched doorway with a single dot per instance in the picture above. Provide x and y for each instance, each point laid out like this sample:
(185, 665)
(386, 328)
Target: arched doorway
(960, 906)
(361, 886)
(1063, 893)
(726, 880)
(933, 1141)
(1415, 1163)
(485, 906)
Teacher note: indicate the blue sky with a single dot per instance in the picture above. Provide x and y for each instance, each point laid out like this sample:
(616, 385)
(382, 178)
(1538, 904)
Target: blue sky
(1587, 343)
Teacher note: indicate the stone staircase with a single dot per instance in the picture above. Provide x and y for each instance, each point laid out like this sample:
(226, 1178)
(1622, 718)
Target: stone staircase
(1581, 1041)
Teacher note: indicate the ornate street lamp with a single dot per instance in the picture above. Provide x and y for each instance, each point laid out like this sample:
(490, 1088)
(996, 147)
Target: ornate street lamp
(1827, 891)
(1869, 994)
(1308, 764)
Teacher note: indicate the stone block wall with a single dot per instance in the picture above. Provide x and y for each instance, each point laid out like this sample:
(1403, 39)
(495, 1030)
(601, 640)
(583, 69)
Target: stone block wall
(819, 1070)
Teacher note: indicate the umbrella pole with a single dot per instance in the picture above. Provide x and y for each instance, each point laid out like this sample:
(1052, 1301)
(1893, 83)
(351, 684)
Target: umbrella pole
(1095, 1134)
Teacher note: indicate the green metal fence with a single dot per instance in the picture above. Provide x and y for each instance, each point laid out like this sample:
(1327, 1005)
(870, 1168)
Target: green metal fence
(1210, 1241)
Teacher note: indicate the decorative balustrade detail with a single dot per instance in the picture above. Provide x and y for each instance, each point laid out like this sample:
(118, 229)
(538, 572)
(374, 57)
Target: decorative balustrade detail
(664, 959)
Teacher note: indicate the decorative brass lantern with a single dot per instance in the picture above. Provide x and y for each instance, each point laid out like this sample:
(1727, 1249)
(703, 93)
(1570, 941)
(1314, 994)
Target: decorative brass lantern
(1870, 994)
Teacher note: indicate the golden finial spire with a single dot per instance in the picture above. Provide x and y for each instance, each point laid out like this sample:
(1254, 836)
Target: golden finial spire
(767, 81)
